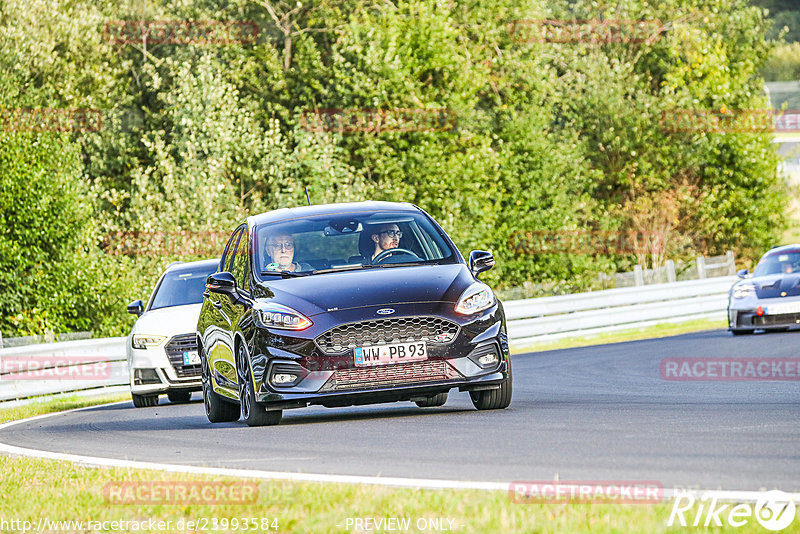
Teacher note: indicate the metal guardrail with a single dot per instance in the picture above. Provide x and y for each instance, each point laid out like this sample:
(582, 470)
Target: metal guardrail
(550, 318)
(58, 367)
(62, 367)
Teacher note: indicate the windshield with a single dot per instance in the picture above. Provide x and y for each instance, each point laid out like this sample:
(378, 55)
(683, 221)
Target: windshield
(181, 287)
(778, 263)
(348, 241)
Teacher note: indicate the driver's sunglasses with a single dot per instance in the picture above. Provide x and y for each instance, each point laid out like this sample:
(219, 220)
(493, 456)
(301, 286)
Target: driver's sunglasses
(393, 233)
(288, 245)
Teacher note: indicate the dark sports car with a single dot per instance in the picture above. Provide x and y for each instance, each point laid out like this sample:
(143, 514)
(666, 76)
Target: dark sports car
(346, 304)
(769, 298)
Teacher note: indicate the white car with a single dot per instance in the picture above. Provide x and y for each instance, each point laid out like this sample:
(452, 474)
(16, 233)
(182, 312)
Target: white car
(162, 346)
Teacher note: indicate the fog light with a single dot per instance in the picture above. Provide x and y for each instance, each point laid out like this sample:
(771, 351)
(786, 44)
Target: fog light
(488, 359)
(283, 378)
(145, 376)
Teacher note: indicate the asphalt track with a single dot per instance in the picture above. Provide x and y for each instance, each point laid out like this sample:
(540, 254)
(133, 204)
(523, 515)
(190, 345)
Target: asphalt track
(593, 413)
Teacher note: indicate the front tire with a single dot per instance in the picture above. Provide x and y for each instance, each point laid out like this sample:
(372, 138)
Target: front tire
(253, 413)
(179, 396)
(144, 401)
(433, 401)
(217, 409)
(493, 399)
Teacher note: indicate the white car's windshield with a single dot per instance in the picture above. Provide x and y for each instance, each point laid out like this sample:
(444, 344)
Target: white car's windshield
(181, 287)
(348, 241)
(778, 263)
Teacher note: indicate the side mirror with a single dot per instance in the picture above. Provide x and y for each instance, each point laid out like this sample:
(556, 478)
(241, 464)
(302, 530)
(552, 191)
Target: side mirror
(223, 282)
(743, 273)
(479, 261)
(136, 308)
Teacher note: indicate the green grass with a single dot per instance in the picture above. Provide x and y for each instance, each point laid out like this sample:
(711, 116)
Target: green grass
(36, 489)
(634, 334)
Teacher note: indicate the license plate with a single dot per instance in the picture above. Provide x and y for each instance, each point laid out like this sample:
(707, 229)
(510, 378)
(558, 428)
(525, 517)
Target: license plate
(393, 353)
(191, 357)
(783, 307)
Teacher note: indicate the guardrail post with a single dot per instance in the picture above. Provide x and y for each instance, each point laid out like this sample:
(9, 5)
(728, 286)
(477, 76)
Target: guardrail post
(638, 276)
(701, 267)
(670, 271)
(1, 340)
(731, 262)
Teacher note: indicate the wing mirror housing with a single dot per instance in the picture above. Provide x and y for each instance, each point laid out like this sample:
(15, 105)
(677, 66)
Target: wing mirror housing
(222, 282)
(743, 273)
(479, 261)
(136, 308)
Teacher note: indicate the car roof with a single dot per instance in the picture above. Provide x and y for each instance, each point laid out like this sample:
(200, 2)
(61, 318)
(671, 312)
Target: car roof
(191, 265)
(783, 249)
(283, 214)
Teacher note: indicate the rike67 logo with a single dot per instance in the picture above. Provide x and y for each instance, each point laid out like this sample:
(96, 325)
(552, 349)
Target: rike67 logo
(774, 510)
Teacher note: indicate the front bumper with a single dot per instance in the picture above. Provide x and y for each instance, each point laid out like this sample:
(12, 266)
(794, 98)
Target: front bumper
(755, 314)
(335, 380)
(159, 369)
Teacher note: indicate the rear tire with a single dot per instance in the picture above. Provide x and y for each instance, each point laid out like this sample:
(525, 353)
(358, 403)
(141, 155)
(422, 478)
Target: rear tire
(434, 400)
(253, 413)
(741, 331)
(179, 396)
(144, 401)
(493, 399)
(218, 410)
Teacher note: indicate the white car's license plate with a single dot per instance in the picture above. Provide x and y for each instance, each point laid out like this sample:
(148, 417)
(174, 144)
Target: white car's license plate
(783, 307)
(415, 351)
(191, 357)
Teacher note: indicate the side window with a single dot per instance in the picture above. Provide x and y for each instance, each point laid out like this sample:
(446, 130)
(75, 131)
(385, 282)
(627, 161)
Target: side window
(230, 257)
(230, 247)
(241, 262)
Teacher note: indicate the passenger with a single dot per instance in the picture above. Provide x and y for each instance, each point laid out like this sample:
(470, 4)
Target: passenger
(280, 249)
(787, 268)
(386, 237)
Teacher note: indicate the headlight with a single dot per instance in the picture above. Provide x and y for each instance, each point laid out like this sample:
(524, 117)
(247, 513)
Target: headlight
(477, 297)
(280, 316)
(144, 341)
(741, 291)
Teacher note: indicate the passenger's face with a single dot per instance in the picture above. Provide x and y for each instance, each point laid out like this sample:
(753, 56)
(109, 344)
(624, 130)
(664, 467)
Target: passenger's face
(384, 240)
(281, 249)
(787, 268)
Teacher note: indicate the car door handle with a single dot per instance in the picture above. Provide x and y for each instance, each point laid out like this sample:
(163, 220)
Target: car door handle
(207, 294)
(217, 305)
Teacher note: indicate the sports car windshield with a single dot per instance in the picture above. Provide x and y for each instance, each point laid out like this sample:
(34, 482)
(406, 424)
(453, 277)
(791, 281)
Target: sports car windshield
(348, 241)
(778, 263)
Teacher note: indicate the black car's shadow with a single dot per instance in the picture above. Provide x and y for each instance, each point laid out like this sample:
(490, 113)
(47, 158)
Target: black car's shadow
(296, 417)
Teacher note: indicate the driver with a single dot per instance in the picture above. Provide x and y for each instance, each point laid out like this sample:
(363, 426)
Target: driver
(280, 249)
(386, 237)
(788, 268)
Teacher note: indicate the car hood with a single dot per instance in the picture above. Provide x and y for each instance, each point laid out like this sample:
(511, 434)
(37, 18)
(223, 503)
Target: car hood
(777, 285)
(169, 321)
(321, 293)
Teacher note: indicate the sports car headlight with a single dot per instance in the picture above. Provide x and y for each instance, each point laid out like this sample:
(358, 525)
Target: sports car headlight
(477, 297)
(743, 290)
(280, 316)
(144, 341)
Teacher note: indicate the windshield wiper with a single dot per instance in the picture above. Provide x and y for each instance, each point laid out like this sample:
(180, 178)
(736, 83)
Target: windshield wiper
(285, 274)
(345, 268)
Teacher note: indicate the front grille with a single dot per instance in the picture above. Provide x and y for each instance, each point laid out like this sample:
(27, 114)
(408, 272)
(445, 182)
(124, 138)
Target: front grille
(175, 349)
(390, 375)
(433, 330)
(783, 319)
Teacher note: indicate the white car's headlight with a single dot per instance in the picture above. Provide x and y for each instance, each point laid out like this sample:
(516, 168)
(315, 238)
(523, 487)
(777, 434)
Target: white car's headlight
(476, 298)
(144, 341)
(741, 291)
(280, 316)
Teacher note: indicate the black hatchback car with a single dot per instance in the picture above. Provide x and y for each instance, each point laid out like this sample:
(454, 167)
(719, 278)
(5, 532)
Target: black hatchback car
(347, 304)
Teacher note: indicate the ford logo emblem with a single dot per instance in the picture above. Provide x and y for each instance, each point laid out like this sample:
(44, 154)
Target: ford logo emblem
(385, 311)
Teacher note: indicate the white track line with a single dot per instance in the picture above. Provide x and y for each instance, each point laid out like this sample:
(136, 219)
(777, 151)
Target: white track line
(418, 483)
